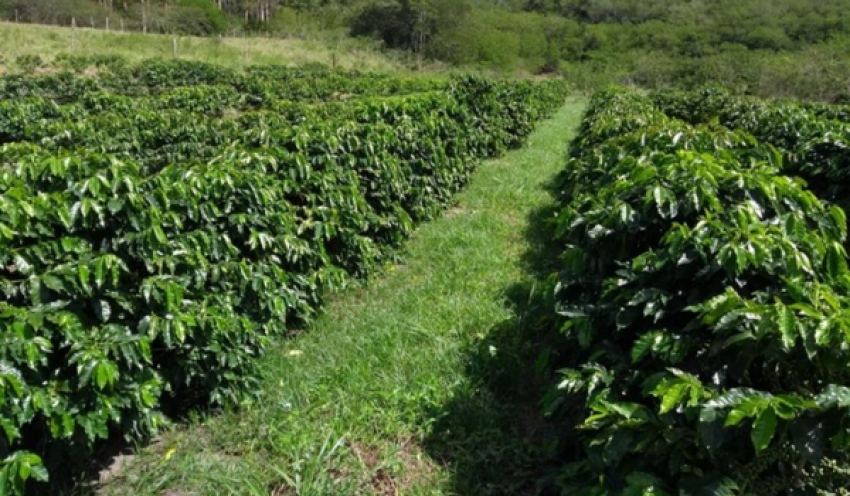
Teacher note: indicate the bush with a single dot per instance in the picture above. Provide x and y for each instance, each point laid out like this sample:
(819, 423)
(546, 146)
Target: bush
(148, 255)
(703, 296)
(197, 17)
(29, 63)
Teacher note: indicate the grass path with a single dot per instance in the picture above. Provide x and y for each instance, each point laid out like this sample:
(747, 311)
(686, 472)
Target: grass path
(405, 386)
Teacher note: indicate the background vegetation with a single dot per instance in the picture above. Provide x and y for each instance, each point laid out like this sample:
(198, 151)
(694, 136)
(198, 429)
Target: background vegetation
(776, 48)
(29, 47)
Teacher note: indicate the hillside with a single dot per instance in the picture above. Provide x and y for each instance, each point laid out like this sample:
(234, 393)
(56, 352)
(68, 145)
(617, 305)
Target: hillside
(786, 48)
(256, 247)
(28, 45)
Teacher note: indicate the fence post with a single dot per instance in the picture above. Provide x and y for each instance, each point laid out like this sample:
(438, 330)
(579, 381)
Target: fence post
(174, 45)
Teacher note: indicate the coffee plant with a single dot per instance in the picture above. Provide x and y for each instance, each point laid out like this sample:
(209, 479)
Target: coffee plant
(156, 234)
(813, 137)
(703, 302)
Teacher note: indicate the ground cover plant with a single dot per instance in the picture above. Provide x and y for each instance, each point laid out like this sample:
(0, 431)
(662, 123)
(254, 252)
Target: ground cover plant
(149, 253)
(703, 298)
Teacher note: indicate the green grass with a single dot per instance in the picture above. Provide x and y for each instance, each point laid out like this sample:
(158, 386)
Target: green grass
(48, 41)
(417, 383)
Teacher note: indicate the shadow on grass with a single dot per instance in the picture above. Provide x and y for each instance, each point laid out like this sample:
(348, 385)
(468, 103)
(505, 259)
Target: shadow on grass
(76, 470)
(495, 439)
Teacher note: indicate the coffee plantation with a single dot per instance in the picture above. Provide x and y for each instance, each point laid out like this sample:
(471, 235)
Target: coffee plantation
(703, 297)
(160, 224)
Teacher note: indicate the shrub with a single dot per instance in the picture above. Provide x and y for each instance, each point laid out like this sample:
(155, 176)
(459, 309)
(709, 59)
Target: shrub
(703, 296)
(197, 17)
(29, 63)
(148, 255)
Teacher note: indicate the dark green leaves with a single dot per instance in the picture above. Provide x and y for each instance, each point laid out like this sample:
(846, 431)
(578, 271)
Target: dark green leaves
(160, 226)
(710, 286)
(18, 468)
(763, 429)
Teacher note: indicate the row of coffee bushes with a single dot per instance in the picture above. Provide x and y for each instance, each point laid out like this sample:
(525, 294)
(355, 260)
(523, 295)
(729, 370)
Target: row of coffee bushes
(703, 304)
(259, 84)
(135, 285)
(812, 137)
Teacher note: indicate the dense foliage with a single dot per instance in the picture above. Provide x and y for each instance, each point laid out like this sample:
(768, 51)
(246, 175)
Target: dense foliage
(812, 136)
(785, 48)
(191, 17)
(703, 298)
(150, 250)
(780, 48)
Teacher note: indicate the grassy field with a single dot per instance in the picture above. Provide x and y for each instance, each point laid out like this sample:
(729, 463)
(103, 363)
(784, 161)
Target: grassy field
(419, 383)
(48, 41)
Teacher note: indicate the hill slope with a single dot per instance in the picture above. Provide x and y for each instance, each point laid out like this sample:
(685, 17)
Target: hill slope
(23, 42)
(789, 48)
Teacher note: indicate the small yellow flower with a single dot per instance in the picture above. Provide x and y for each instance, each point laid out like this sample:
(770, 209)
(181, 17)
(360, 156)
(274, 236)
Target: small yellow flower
(170, 453)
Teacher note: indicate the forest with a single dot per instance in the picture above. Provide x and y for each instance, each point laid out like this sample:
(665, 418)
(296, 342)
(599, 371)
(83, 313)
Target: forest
(784, 48)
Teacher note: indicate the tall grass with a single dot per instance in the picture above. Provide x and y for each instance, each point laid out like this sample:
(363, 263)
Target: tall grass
(48, 41)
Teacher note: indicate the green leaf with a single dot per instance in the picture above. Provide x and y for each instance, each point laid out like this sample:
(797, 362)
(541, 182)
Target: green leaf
(834, 396)
(626, 409)
(750, 407)
(104, 374)
(787, 323)
(839, 216)
(22, 266)
(102, 309)
(643, 345)
(114, 205)
(39, 472)
(83, 270)
(763, 429)
(53, 282)
(672, 397)
(836, 261)
(6, 232)
(585, 332)
(732, 398)
(100, 271)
